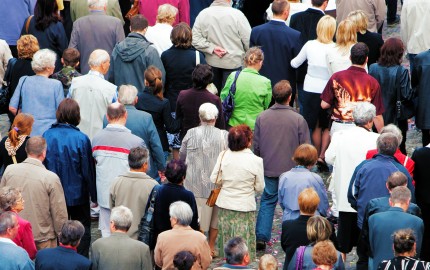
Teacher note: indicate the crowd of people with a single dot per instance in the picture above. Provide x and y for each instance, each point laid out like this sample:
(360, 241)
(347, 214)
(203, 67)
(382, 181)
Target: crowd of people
(165, 120)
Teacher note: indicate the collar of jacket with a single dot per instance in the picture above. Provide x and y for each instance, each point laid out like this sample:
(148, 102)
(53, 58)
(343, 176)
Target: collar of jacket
(278, 106)
(315, 10)
(64, 125)
(137, 35)
(250, 70)
(221, 3)
(357, 69)
(395, 209)
(116, 127)
(381, 156)
(34, 161)
(140, 175)
(119, 234)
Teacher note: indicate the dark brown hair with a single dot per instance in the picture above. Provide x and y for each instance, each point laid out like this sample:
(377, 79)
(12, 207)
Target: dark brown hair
(116, 111)
(22, 125)
(279, 6)
(153, 76)
(138, 23)
(68, 112)
(45, 13)
(391, 52)
(282, 91)
(202, 76)
(181, 36)
(239, 137)
(71, 57)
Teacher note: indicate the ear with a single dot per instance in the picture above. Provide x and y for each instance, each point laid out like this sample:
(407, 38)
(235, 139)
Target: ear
(62, 60)
(135, 100)
(246, 259)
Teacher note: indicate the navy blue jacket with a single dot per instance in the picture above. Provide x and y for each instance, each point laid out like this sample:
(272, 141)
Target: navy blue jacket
(69, 155)
(61, 258)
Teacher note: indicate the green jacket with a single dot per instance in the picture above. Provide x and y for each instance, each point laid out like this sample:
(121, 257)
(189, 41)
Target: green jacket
(253, 95)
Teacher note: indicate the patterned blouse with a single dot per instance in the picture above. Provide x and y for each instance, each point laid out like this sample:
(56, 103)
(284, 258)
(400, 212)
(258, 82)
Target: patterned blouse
(404, 263)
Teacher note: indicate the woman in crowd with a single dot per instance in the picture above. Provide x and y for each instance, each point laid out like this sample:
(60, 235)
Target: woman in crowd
(297, 179)
(11, 200)
(324, 255)
(253, 91)
(240, 174)
(391, 75)
(149, 10)
(5, 56)
(12, 147)
(318, 229)
(268, 262)
(46, 26)
(200, 149)
(159, 34)
(338, 56)
(71, 159)
(152, 101)
(179, 62)
(184, 260)
(181, 237)
(316, 79)
(38, 95)
(404, 245)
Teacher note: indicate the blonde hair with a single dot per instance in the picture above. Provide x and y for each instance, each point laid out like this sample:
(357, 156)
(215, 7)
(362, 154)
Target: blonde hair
(359, 18)
(268, 262)
(326, 28)
(27, 46)
(166, 14)
(253, 56)
(346, 36)
(318, 229)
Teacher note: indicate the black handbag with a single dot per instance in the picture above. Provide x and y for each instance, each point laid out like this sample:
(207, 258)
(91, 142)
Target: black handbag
(405, 107)
(5, 88)
(228, 102)
(146, 225)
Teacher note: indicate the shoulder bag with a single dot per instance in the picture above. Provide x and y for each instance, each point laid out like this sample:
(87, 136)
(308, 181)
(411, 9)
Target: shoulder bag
(300, 257)
(27, 24)
(5, 88)
(405, 108)
(134, 10)
(228, 102)
(215, 192)
(146, 226)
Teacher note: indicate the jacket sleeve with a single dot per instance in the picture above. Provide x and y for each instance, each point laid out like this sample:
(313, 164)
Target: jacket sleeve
(147, 259)
(292, 264)
(380, 12)
(200, 39)
(59, 94)
(228, 83)
(95, 256)
(172, 125)
(57, 205)
(183, 150)
(365, 227)
(28, 241)
(61, 38)
(113, 9)
(111, 72)
(119, 32)
(324, 204)
(74, 38)
(330, 153)
(89, 169)
(259, 176)
(354, 187)
(304, 134)
(268, 97)
(256, 141)
(405, 84)
(195, 221)
(215, 170)
(155, 146)
(220, 121)
(300, 58)
(244, 29)
(158, 253)
(205, 255)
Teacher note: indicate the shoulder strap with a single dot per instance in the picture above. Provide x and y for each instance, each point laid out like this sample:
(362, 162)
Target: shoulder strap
(405, 162)
(27, 24)
(197, 57)
(300, 257)
(233, 85)
(14, 160)
(399, 82)
(9, 68)
(219, 169)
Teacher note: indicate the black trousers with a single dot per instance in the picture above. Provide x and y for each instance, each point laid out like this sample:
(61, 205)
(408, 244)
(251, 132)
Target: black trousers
(82, 214)
(391, 10)
(220, 76)
(425, 246)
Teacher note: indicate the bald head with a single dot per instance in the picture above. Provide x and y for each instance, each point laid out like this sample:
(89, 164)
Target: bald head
(99, 60)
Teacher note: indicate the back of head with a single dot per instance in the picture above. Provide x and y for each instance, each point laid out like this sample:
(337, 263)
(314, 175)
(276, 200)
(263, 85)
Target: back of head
(396, 179)
(387, 144)
(403, 241)
(235, 251)
(7, 221)
(400, 195)
(308, 201)
(305, 155)
(239, 137)
(116, 111)
(176, 171)
(71, 233)
(253, 56)
(326, 28)
(153, 77)
(346, 35)
(43, 59)
(181, 36)
(71, 57)
(138, 23)
(137, 157)
(318, 3)
(184, 260)
(202, 76)
(9, 197)
(359, 19)
(98, 57)
(268, 262)
(363, 113)
(27, 46)
(68, 112)
(208, 112)
(121, 217)
(318, 229)
(324, 253)
(22, 125)
(393, 129)
(182, 212)
(97, 4)
(127, 94)
(166, 14)
(282, 92)
(36, 146)
(359, 53)
(45, 13)
(279, 7)
(391, 52)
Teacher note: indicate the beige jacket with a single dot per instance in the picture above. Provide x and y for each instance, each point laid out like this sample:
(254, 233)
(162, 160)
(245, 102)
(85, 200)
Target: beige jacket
(5, 55)
(45, 205)
(132, 190)
(242, 175)
(221, 25)
(414, 25)
(376, 11)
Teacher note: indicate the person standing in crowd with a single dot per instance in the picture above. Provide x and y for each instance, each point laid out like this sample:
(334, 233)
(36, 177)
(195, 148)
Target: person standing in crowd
(149, 10)
(132, 188)
(65, 256)
(375, 10)
(93, 93)
(222, 33)
(253, 91)
(200, 149)
(46, 207)
(5, 56)
(111, 147)
(324, 255)
(237, 255)
(70, 61)
(276, 151)
(184, 260)
(195, 7)
(159, 34)
(240, 174)
(38, 95)
(132, 56)
(79, 8)
(71, 159)
(280, 45)
(85, 39)
(46, 26)
(119, 250)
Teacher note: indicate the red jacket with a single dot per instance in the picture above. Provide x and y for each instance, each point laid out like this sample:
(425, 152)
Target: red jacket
(24, 238)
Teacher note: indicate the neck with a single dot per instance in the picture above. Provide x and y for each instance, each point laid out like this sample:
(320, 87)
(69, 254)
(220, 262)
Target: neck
(401, 205)
(360, 66)
(254, 67)
(36, 157)
(98, 69)
(210, 123)
(324, 267)
(142, 169)
(120, 122)
(406, 254)
(45, 73)
(279, 17)
(306, 214)
(97, 9)
(118, 231)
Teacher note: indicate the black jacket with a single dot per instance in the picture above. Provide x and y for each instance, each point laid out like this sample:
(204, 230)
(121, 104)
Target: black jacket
(421, 80)
(374, 41)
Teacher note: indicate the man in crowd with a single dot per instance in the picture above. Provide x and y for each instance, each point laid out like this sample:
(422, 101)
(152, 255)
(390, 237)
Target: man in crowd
(276, 152)
(111, 147)
(132, 56)
(132, 189)
(119, 250)
(236, 253)
(41, 189)
(79, 8)
(376, 11)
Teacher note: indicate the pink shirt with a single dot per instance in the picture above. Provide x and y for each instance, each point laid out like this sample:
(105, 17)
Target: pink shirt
(149, 9)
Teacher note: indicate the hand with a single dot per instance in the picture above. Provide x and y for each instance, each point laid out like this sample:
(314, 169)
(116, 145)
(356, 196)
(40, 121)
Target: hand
(162, 176)
(219, 51)
(93, 205)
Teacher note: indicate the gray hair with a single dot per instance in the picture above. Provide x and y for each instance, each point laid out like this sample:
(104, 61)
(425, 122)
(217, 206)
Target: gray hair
(121, 217)
(96, 3)
(400, 194)
(43, 59)
(208, 112)
(387, 144)
(7, 221)
(391, 128)
(127, 94)
(98, 57)
(363, 113)
(8, 198)
(235, 250)
(35, 146)
(137, 157)
(182, 212)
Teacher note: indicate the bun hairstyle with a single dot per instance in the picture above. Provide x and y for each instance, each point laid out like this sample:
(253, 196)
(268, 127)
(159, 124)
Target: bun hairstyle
(22, 125)
(404, 241)
(153, 77)
(253, 56)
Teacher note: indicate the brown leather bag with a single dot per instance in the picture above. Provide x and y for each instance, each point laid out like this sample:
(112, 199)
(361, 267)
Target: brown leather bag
(215, 192)
(27, 24)
(133, 11)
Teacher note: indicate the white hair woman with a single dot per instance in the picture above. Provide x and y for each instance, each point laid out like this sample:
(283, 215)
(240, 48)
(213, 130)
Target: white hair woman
(200, 149)
(38, 95)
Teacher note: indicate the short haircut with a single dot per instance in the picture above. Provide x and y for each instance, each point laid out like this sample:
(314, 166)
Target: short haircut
(208, 112)
(176, 171)
(71, 57)
(403, 241)
(324, 253)
(97, 3)
(396, 179)
(282, 91)
(127, 94)
(182, 212)
(43, 59)
(137, 157)
(318, 229)
(391, 52)
(166, 13)
(9, 197)
(326, 28)
(181, 36)
(387, 144)
(268, 262)
(400, 194)
(363, 113)
(22, 125)
(253, 56)
(69, 112)
(318, 3)
(8, 220)
(27, 46)
(202, 76)
(360, 20)
(116, 111)
(279, 6)
(98, 57)
(391, 128)
(138, 23)
(235, 250)
(184, 260)
(35, 146)
(359, 53)
(71, 233)
(305, 155)
(239, 137)
(308, 201)
(121, 217)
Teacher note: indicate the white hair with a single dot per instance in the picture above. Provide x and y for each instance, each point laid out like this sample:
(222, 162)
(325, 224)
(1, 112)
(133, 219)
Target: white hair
(208, 112)
(127, 94)
(121, 217)
(391, 128)
(97, 3)
(43, 59)
(182, 212)
(98, 57)
(363, 113)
